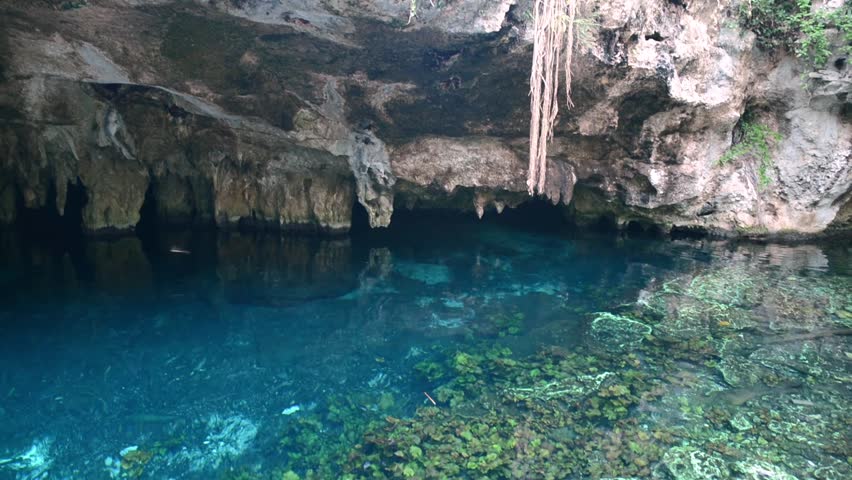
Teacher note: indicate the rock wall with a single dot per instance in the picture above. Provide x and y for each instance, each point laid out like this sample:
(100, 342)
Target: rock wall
(122, 143)
(283, 114)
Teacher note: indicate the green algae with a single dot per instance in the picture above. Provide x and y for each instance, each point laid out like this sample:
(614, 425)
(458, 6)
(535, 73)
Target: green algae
(507, 323)
(317, 442)
(518, 418)
(596, 414)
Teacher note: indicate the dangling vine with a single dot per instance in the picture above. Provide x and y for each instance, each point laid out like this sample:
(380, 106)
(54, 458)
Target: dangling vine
(553, 42)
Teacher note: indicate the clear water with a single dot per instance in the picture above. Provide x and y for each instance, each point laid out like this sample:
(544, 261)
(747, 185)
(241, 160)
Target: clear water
(548, 355)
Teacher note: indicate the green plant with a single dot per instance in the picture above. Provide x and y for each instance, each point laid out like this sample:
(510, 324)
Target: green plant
(797, 27)
(756, 142)
(770, 20)
(813, 42)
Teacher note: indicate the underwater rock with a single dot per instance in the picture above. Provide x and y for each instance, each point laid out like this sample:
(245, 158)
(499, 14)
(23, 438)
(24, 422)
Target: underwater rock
(694, 305)
(617, 331)
(761, 471)
(452, 303)
(737, 371)
(685, 463)
(227, 438)
(34, 463)
(291, 410)
(112, 466)
(446, 322)
(740, 423)
(127, 450)
(568, 389)
(430, 274)
(133, 461)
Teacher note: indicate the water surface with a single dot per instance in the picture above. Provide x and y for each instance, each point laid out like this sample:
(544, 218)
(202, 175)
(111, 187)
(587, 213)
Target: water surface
(547, 355)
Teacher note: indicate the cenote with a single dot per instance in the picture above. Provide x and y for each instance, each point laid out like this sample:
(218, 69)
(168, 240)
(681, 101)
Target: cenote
(425, 240)
(480, 349)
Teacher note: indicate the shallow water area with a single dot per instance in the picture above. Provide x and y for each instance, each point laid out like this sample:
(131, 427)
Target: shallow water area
(474, 350)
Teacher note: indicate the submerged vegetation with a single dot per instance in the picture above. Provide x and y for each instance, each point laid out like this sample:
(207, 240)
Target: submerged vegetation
(692, 381)
(608, 409)
(604, 413)
(798, 27)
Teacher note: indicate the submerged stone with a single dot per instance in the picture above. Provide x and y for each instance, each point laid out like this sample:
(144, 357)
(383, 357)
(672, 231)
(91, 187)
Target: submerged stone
(430, 274)
(761, 471)
(34, 463)
(740, 423)
(617, 331)
(227, 438)
(685, 463)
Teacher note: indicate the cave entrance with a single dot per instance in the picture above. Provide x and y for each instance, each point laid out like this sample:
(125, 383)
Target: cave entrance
(360, 219)
(148, 211)
(535, 214)
(76, 199)
(46, 221)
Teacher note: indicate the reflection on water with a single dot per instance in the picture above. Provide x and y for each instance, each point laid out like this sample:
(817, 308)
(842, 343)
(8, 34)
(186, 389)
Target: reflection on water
(197, 355)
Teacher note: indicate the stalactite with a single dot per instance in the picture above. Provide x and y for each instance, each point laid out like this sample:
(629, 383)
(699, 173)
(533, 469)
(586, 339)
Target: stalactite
(553, 27)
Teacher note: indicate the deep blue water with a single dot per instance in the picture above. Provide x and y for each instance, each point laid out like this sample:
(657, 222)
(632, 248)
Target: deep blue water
(218, 362)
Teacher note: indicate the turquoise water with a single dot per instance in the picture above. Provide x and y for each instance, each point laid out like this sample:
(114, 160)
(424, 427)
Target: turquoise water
(547, 354)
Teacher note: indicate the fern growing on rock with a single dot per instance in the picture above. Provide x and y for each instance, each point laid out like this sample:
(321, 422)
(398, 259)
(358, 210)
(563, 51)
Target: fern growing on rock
(756, 142)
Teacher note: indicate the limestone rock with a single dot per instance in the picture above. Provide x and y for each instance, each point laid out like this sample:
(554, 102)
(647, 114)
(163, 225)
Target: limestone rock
(285, 113)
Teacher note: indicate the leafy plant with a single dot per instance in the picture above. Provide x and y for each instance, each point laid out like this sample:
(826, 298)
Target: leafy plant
(756, 142)
(795, 26)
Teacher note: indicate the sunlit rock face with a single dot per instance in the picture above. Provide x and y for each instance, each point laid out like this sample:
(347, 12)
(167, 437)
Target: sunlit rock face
(284, 114)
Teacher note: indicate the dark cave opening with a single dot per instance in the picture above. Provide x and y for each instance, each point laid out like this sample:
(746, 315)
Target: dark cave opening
(360, 219)
(534, 215)
(688, 232)
(148, 225)
(537, 215)
(45, 228)
(636, 228)
(43, 220)
(75, 199)
(603, 223)
(46, 221)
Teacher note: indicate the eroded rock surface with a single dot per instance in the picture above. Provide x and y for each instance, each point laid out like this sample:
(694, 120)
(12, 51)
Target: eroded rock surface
(285, 113)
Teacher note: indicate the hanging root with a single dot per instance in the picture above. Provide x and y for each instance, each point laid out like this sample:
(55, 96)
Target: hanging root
(553, 27)
(412, 11)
